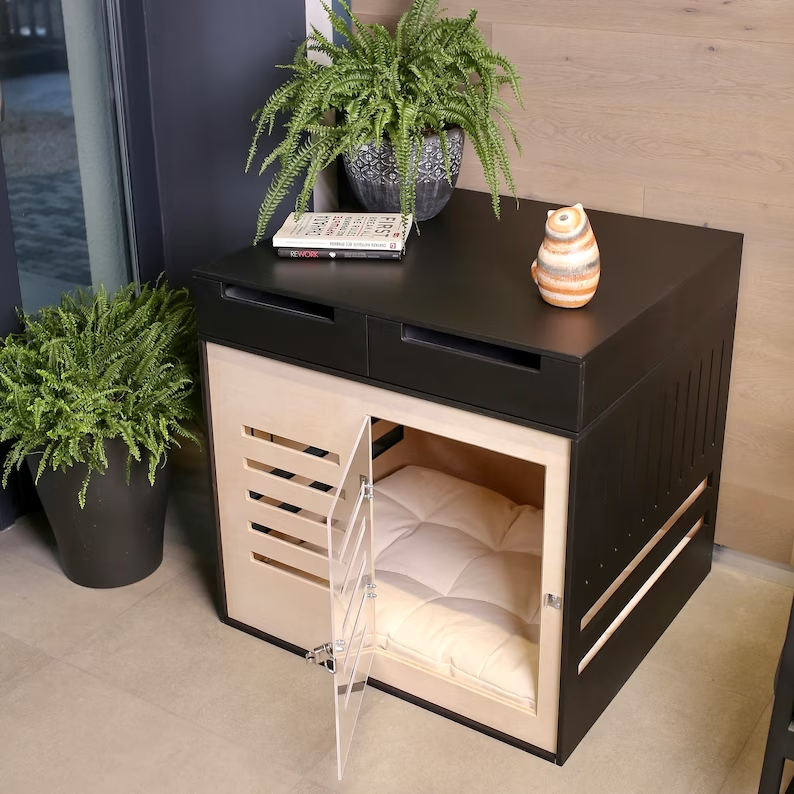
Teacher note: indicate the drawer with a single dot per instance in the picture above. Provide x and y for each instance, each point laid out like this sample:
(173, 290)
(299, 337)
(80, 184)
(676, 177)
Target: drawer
(513, 382)
(290, 327)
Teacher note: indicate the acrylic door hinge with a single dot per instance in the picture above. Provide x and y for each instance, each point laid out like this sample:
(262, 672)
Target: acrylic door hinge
(553, 601)
(324, 655)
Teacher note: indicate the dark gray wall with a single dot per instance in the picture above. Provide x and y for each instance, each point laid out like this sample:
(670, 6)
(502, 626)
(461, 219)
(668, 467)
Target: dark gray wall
(19, 497)
(212, 63)
(10, 295)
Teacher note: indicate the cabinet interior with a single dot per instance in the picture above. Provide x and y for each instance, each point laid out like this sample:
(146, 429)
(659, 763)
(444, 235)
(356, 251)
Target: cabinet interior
(458, 535)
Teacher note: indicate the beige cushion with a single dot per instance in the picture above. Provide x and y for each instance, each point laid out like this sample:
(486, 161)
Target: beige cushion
(458, 573)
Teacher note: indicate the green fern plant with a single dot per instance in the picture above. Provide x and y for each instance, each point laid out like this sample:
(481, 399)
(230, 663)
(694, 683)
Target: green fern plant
(98, 368)
(433, 74)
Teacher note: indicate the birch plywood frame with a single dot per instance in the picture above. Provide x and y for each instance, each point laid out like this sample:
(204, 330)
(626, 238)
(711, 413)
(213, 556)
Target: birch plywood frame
(326, 412)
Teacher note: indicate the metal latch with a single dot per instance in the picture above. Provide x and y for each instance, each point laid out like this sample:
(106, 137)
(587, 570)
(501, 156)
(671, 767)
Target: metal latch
(553, 601)
(324, 655)
(369, 488)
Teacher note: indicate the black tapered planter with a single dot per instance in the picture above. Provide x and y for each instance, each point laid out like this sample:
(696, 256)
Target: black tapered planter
(118, 538)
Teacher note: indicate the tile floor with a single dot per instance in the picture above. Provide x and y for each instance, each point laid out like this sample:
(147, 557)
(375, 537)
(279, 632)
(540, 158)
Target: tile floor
(142, 689)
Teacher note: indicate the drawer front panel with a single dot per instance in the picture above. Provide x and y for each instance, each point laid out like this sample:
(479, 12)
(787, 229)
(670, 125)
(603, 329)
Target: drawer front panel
(512, 382)
(284, 326)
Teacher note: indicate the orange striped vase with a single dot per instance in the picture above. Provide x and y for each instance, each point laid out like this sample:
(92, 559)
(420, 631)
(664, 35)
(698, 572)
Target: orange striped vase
(568, 266)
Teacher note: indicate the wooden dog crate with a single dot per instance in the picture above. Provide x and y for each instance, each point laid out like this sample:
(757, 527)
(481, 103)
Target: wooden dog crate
(425, 475)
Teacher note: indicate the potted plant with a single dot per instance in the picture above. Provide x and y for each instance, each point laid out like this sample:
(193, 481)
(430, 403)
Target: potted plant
(101, 386)
(381, 99)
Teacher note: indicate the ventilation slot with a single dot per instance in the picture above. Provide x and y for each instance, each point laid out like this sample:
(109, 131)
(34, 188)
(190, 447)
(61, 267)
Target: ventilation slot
(283, 474)
(282, 536)
(638, 596)
(288, 550)
(287, 490)
(287, 443)
(647, 549)
(288, 569)
(269, 500)
(644, 465)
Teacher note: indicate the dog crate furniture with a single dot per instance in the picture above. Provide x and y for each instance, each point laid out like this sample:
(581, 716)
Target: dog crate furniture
(425, 474)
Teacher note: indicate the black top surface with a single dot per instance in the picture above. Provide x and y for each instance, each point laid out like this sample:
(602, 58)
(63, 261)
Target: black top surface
(468, 273)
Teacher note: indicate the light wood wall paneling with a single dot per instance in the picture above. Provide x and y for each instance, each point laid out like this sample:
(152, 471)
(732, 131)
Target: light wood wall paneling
(744, 20)
(390, 22)
(756, 511)
(560, 184)
(709, 155)
(762, 386)
(756, 523)
(765, 324)
(683, 112)
(682, 75)
(768, 229)
(759, 457)
(762, 389)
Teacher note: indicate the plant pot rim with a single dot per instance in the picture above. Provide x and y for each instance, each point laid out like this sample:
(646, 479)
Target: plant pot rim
(431, 134)
(426, 136)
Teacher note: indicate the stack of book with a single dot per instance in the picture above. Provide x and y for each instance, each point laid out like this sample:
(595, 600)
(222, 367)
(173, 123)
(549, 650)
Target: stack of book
(342, 235)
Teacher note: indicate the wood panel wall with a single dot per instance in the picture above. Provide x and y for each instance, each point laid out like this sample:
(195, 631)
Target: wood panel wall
(681, 110)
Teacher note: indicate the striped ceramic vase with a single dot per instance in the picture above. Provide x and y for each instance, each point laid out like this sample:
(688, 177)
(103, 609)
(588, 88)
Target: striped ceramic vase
(568, 266)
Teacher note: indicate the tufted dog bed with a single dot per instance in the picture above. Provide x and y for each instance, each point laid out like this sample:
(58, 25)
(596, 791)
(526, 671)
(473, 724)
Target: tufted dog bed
(458, 568)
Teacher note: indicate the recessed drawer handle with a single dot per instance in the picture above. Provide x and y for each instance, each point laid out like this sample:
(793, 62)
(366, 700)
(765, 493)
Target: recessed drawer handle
(268, 300)
(471, 347)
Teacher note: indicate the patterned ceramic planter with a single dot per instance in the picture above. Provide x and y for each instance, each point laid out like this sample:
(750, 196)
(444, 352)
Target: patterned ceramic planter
(375, 180)
(568, 267)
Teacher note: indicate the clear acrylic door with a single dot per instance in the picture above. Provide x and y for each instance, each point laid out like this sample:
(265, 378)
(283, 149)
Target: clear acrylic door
(352, 571)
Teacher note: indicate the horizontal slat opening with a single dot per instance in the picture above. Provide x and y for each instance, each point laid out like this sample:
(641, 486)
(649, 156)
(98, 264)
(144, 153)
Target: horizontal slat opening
(262, 560)
(471, 347)
(302, 512)
(283, 536)
(295, 479)
(646, 550)
(289, 523)
(638, 596)
(288, 550)
(296, 446)
(287, 490)
(283, 458)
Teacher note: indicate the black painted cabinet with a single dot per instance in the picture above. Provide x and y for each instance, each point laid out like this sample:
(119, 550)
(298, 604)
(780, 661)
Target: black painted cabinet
(636, 382)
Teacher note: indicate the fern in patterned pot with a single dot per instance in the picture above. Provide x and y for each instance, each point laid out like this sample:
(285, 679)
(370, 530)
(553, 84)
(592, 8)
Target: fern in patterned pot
(395, 107)
(94, 393)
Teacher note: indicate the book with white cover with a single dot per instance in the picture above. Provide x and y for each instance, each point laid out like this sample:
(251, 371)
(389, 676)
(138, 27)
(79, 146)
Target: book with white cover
(364, 231)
